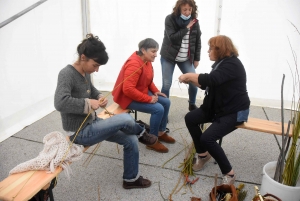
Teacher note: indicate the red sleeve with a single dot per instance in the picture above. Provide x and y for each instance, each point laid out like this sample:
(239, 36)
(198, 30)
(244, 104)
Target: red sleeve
(153, 88)
(132, 74)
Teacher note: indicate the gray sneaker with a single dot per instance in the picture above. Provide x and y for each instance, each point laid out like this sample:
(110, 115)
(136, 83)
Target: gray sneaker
(228, 180)
(199, 162)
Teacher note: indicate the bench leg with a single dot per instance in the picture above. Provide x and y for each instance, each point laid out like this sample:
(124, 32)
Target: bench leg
(220, 141)
(50, 192)
(40, 196)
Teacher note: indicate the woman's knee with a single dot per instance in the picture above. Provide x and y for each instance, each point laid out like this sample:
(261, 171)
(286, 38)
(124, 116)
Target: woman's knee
(158, 109)
(165, 102)
(208, 139)
(167, 84)
(127, 118)
(189, 118)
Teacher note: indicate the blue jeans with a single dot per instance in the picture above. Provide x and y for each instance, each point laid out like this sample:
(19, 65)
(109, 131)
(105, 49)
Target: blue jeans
(121, 129)
(167, 69)
(159, 112)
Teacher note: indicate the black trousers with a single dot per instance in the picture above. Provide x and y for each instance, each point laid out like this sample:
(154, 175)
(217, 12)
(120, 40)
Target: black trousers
(207, 141)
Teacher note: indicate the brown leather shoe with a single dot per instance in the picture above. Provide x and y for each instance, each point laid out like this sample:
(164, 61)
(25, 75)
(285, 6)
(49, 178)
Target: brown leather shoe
(166, 138)
(159, 147)
(139, 183)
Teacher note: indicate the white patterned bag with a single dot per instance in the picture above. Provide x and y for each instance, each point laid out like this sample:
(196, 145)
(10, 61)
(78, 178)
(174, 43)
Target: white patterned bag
(54, 154)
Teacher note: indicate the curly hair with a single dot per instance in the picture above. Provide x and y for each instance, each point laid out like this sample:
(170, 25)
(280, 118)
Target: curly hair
(93, 48)
(179, 3)
(223, 47)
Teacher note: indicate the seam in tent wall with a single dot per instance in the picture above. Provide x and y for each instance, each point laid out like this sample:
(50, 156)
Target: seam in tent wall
(86, 25)
(9, 20)
(36, 44)
(218, 17)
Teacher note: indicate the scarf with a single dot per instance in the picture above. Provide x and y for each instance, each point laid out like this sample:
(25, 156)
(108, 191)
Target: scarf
(181, 22)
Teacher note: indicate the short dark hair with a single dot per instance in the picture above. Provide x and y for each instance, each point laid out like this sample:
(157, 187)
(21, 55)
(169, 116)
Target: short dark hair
(179, 3)
(93, 48)
(222, 46)
(146, 44)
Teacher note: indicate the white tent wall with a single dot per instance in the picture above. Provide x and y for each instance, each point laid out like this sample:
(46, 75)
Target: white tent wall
(34, 47)
(123, 24)
(261, 30)
(258, 28)
(37, 45)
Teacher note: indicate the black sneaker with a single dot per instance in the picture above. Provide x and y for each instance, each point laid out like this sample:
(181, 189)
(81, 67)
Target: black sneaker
(139, 183)
(148, 139)
(192, 107)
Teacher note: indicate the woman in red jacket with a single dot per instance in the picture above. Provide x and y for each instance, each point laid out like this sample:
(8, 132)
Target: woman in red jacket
(134, 89)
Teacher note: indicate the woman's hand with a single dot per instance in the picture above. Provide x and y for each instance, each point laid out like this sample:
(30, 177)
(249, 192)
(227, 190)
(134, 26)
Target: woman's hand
(160, 94)
(102, 102)
(196, 63)
(189, 78)
(94, 104)
(184, 78)
(154, 99)
(192, 22)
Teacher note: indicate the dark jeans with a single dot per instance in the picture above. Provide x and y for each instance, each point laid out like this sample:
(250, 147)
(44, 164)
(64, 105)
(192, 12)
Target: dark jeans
(206, 141)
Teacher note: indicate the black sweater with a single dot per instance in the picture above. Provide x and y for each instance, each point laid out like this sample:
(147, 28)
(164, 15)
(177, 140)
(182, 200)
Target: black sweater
(173, 37)
(227, 88)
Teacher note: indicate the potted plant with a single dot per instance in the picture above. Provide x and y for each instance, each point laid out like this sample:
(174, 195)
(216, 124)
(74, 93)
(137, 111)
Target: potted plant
(286, 170)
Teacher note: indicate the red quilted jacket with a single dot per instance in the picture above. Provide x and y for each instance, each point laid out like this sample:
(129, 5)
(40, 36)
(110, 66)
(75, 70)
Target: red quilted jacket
(138, 81)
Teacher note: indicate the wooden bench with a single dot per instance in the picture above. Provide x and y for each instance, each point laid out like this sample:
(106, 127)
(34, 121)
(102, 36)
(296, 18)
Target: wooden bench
(265, 126)
(23, 186)
(114, 108)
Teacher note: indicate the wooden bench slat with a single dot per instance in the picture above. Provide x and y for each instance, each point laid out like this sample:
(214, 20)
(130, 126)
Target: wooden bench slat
(114, 108)
(265, 126)
(34, 180)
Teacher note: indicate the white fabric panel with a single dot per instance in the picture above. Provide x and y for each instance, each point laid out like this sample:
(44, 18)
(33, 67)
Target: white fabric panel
(121, 25)
(258, 28)
(37, 45)
(33, 49)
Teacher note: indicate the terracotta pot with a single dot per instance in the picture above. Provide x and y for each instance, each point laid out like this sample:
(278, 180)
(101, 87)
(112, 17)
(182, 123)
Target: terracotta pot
(226, 189)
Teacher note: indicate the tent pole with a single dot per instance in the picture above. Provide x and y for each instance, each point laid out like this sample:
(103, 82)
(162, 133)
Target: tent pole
(218, 17)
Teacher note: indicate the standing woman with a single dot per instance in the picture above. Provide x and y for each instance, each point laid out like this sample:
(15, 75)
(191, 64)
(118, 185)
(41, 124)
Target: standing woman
(135, 89)
(181, 45)
(226, 104)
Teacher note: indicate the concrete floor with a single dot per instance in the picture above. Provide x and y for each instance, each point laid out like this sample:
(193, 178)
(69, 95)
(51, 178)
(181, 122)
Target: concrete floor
(248, 151)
